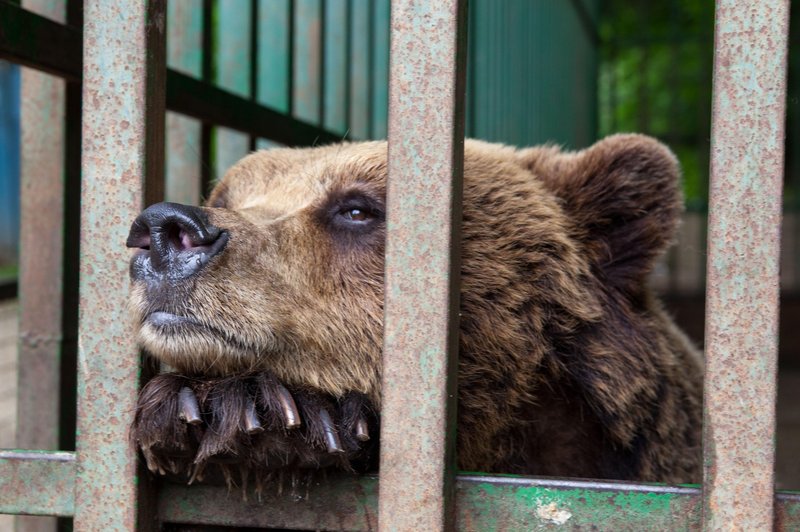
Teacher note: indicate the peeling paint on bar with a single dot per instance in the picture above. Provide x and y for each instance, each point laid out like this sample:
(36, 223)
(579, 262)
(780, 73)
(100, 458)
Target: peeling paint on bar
(743, 257)
(123, 143)
(426, 153)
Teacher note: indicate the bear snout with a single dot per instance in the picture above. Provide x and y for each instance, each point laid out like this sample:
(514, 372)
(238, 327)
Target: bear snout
(174, 242)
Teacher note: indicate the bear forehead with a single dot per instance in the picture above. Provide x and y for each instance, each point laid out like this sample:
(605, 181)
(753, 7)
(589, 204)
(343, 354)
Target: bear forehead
(284, 180)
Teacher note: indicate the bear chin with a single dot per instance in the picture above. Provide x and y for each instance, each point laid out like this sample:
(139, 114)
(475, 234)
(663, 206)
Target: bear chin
(267, 303)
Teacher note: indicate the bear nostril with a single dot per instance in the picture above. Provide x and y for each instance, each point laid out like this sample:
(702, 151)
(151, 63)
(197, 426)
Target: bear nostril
(176, 241)
(139, 241)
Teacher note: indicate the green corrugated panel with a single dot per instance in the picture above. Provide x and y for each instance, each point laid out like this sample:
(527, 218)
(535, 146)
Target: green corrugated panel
(532, 67)
(532, 72)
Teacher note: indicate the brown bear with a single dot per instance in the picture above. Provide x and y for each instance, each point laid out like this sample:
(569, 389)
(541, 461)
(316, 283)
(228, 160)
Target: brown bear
(268, 302)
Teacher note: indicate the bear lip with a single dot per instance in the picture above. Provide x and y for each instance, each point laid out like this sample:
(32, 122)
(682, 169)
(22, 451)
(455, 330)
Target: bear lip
(159, 318)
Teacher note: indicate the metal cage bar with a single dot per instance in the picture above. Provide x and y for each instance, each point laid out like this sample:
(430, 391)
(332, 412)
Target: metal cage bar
(123, 163)
(426, 155)
(747, 145)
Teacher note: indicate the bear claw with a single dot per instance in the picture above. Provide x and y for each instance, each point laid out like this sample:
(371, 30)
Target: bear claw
(190, 411)
(252, 421)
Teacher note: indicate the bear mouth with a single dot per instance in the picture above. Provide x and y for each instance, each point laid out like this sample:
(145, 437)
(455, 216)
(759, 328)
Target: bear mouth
(169, 325)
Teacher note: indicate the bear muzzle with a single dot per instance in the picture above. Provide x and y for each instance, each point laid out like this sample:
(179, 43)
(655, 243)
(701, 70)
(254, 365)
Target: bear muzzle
(174, 242)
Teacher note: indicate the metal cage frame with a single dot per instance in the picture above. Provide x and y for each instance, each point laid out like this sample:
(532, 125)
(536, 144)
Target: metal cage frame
(125, 91)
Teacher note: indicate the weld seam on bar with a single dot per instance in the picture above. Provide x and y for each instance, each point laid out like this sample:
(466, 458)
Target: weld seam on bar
(122, 164)
(743, 261)
(426, 154)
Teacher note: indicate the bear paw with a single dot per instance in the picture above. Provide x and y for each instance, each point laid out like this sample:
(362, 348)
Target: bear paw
(183, 424)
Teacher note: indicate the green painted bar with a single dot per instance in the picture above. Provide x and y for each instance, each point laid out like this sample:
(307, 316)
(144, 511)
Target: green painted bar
(37, 482)
(232, 74)
(122, 165)
(307, 60)
(233, 46)
(380, 69)
(335, 65)
(359, 69)
(274, 54)
(184, 54)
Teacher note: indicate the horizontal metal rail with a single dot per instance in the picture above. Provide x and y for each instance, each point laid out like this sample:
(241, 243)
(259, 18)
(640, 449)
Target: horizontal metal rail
(37, 482)
(40, 483)
(37, 42)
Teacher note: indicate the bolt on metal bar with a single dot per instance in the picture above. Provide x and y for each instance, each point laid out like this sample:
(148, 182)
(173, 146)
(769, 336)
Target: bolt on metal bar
(743, 257)
(426, 153)
(123, 148)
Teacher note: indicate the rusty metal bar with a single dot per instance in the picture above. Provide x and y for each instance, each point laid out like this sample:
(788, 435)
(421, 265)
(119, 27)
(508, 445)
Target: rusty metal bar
(426, 152)
(747, 147)
(41, 251)
(37, 483)
(123, 147)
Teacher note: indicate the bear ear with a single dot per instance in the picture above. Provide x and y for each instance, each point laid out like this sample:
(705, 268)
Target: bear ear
(624, 196)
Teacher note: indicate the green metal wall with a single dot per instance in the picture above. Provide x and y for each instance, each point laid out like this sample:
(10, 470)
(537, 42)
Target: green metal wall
(532, 75)
(531, 69)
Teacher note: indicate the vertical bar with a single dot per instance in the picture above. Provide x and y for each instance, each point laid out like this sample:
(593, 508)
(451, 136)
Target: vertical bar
(232, 73)
(123, 148)
(335, 65)
(41, 259)
(185, 54)
(207, 74)
(307, 60)
(380, 69)
(358, 118)
(41, 244)
(744, 238)
(273, 56)
(426, 154)
(71, 253)
(252, 57)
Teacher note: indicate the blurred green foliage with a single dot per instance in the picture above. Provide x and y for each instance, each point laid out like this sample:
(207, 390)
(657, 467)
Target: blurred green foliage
(656, 59)
(655, 78)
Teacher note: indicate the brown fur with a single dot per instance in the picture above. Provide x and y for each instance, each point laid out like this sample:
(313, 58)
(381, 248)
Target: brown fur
(568, 365)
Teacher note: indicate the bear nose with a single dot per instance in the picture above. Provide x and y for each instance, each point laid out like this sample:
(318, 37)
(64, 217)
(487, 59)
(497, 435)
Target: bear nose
(176, 241)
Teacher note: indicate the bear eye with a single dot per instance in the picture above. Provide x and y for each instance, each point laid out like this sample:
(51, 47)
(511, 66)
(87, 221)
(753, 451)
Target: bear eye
(356, 215)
